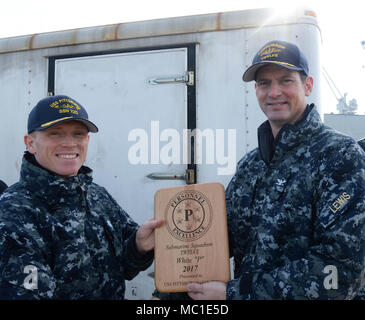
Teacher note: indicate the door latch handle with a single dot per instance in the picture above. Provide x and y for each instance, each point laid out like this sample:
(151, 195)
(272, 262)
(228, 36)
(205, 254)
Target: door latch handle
(165, 176)
(188, 176)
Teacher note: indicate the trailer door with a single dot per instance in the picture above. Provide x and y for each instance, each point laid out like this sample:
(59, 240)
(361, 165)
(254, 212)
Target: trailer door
(141, 102)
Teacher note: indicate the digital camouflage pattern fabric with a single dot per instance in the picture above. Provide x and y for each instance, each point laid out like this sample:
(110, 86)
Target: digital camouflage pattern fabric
(295, 206)
(3, 186)
(291, 217)
(362, 143)
(72, 231)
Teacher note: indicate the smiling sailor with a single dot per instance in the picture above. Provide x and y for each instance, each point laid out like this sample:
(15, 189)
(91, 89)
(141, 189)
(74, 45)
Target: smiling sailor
(296, 204)
(61, 235)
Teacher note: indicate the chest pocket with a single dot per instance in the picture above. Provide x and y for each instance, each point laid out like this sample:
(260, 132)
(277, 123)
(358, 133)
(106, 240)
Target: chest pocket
(288, 176)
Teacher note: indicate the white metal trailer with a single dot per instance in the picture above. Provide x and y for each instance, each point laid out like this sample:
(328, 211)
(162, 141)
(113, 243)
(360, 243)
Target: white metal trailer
(147, 85)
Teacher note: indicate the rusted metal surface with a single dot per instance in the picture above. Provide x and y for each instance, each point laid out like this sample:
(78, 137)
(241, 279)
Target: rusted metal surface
(116, 30)
(32, 40)
(151, 28)
(218, 27)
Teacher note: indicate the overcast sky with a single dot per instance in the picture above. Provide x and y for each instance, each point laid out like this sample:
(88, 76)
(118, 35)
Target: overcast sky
(342, 26)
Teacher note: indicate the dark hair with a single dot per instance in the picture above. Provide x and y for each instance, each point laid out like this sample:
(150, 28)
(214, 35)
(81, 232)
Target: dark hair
(302, 76)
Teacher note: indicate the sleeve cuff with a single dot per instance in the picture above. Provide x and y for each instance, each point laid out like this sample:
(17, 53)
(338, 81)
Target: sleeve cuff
(239, 289)
(140, 260)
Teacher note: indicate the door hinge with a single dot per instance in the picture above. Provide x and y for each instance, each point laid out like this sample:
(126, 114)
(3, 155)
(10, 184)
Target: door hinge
(190, 176)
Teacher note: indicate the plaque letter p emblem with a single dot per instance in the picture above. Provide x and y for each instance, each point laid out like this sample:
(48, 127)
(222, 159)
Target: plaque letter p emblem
(188, 212)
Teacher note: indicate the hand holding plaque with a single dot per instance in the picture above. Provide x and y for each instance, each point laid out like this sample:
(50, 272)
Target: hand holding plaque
(192, 244)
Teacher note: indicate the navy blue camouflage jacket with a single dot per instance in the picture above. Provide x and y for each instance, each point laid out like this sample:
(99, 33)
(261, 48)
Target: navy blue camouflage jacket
(361, 142)
(74, 236)
(296, 215)
(3, 186)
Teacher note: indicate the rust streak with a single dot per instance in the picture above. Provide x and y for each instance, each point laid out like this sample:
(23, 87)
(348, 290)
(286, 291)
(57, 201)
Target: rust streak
(218, 22)
(31, 41)
(116, 37)
(73, 38)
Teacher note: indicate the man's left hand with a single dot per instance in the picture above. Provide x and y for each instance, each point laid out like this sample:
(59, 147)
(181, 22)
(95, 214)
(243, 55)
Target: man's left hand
(213, 290)
(145, 237)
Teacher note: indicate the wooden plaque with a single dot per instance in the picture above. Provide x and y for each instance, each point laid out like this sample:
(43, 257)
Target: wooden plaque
(192, 244)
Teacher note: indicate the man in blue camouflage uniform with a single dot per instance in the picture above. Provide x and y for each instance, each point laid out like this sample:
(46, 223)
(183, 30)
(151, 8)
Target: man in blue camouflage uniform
(61, 235)
(296, 205)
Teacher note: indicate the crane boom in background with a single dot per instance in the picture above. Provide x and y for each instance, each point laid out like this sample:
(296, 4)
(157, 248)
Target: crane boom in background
(342, 106)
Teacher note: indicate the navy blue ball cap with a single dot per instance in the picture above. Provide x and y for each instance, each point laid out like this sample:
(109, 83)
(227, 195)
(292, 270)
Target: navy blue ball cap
(56, 109)
(280, 53)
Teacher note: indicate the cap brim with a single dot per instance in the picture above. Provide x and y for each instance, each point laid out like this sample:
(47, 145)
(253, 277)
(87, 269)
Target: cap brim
(90, 126)
(250, 73)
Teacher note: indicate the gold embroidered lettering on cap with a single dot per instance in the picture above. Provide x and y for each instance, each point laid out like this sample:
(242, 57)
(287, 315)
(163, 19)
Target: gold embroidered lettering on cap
(272, 45)
(271, 50)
